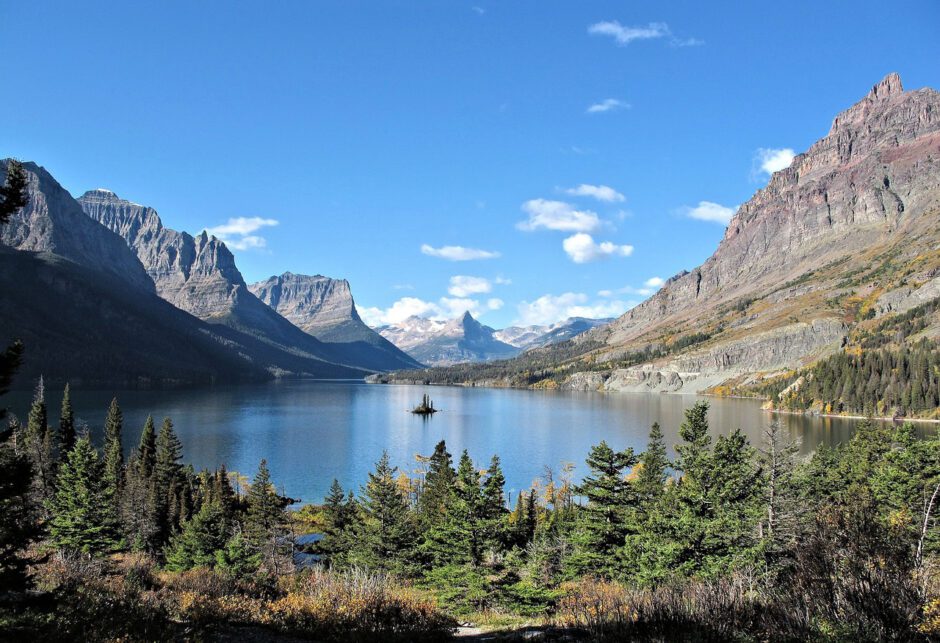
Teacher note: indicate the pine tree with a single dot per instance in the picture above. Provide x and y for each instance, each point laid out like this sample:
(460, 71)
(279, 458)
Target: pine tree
(19, 525)
(266, 520)
(114, 452)
(37, 443)
(605, 521)
(139, 507)
(341, 517)
(147, 450)
(388, 535)
(493, 510)
(199, 540)
(438, 485)
(66, 423)
(237, 559)
(167, 480)
(80, 521)
(651, 475)
(13, 195)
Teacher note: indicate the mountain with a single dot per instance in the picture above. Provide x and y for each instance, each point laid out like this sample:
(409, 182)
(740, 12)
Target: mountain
(439, 343)
(526, 337)
(844, 236)
(87, 311)
(198, 275)
(324, 307)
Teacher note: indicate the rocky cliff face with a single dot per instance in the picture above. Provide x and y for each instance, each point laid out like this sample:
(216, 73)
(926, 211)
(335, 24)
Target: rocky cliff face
(198, 275)
(438, 343)
(876, 174)
(324, 308)
(53, 222)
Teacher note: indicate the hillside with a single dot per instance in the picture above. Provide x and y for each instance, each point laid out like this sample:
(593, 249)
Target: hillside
(324, 308)
(847, 234)
(198, 274)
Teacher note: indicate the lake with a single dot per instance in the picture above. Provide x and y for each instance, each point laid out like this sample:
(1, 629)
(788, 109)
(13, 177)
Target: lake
(311, 432)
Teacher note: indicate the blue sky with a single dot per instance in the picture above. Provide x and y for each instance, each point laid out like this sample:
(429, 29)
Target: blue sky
(568, 143)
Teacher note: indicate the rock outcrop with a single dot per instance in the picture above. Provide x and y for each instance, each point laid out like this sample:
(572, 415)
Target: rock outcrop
(198, 275)
(53, 222)
(324, 308)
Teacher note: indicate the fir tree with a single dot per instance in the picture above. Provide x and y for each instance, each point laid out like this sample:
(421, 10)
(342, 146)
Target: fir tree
(341, 517)
(66, 423)
(605, 521)
(265, 522)
(388, 534)
(37, 443)
(438, 485)
(139, 507)
(651, 474)
(199, 540)
(19, 525)
(13, 195)
(167, 480)
(80, 521)
(237, 559)
(114, 451)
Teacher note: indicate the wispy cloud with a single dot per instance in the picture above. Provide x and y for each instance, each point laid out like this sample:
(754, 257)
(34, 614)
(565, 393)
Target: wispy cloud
(464, 285)
(599, 192)
(624, 35)
(549, 309)
(557, 215)
(479, 10)
(237, 232)
(650, 286)
(457, 253)
(607, 105)
(709, 211)
(582, 248)
(773, 160)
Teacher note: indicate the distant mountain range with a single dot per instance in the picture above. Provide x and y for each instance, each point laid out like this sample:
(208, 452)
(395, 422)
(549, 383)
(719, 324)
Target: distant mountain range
(102, 293)
(845, 236)
(464, 339)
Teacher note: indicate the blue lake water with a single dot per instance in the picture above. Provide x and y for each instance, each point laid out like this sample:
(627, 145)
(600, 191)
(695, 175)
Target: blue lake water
(311, 432)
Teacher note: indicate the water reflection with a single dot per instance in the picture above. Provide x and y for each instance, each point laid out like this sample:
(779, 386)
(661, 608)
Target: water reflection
(312, 432)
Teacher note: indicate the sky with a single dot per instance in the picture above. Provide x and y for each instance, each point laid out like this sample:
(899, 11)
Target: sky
(528, 161)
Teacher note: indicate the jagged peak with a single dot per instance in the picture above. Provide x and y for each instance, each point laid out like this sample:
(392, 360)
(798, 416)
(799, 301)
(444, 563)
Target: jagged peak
(887, 89)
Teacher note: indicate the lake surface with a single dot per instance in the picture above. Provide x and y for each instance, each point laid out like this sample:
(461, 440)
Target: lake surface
(311, 432)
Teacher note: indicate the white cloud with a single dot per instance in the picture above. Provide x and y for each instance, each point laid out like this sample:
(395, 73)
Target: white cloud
(625, 35)
(708, 211)
(457, 253)
(479, 10)
(443, 309)
(599, 192)
(607, 105)
(463, 285)
(582, 248)
(654, 282)
(774, 160)
(236, 232)
(494, 304)
(549, 309)
(557, 215)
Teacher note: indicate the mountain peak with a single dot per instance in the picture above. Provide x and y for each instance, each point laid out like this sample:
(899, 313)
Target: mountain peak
(889, 86)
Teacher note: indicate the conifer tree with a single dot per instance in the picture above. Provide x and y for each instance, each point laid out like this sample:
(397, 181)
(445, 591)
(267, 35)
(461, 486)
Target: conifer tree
(200, 538)
(37, 443)
(80, 521)
(66, 423)
(167, 480)
(13, 195)
(437, 488)
(340, 513)
(605, 520)
(237, 559)
(651, 477)
(389, 534)
(265, 522)
(139, 507)
(18, 516)
(114, 451)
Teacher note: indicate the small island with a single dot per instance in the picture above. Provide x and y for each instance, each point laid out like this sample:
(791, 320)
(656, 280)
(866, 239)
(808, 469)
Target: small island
(426, 407)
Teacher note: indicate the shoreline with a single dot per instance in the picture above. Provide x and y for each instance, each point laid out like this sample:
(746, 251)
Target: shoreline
(893, 420)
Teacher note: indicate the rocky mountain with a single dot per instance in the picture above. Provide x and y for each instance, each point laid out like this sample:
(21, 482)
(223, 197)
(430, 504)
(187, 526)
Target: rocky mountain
(52, 222)
(324, 307)
(439, 343)
(87, 311)
(848, 233)
(526, 337)
(198, 274)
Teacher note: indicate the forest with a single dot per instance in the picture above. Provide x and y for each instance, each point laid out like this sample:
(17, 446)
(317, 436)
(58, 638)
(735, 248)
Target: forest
(709, 539)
